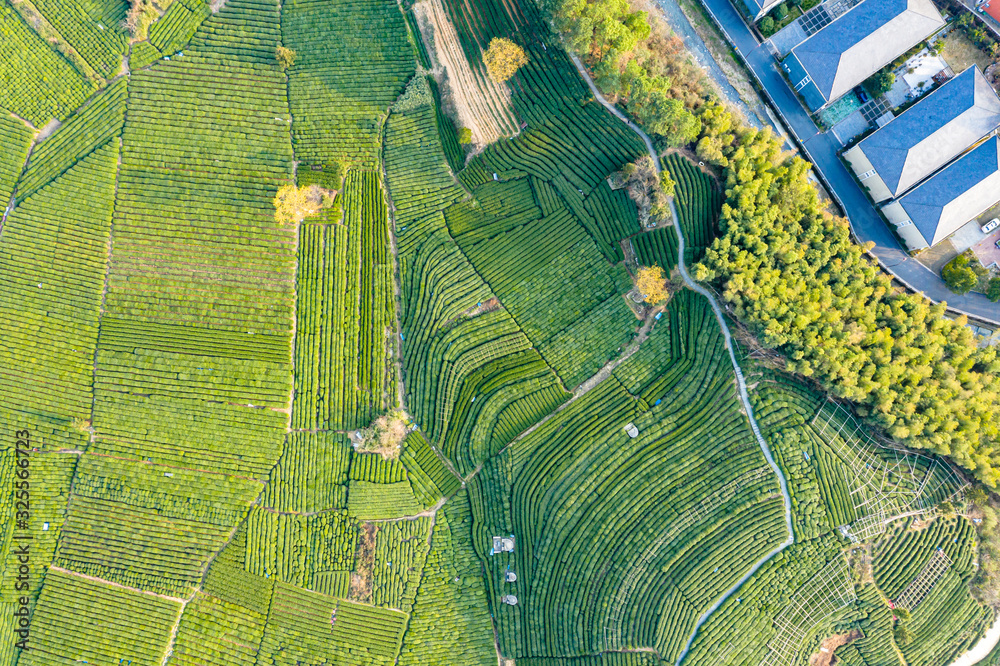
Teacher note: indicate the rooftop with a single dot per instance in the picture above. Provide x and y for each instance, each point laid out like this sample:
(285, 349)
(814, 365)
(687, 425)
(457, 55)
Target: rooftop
(956, 194)
(933, 131)
(863, 40)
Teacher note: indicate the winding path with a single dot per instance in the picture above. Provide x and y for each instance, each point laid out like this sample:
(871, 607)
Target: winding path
(740, 383)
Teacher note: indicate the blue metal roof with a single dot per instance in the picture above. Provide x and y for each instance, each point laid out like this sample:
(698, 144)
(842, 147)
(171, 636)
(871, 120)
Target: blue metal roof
(809, 92)
(888, 148)
(821, 54)
(925, 203)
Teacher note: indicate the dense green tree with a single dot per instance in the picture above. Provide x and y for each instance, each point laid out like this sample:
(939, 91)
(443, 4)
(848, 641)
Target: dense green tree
(879, 83)
(993, 289)
(616, 41)
(790, 271)
(959, 276)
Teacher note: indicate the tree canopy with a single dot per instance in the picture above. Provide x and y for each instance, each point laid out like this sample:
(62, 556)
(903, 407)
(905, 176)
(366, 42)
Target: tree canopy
(503, 58)
(285, 56)
(652, 284)
(634, 62)
(959, 276)
(791, 271)
(879, 83)
(294, 204)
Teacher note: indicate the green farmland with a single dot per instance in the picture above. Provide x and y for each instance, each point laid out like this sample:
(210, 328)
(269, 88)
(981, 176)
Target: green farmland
(427, 419)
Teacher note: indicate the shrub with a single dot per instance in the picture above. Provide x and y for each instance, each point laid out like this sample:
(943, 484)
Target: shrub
(959, 276)
(879, 83)
(781, 12)
(767, 26)
(465, 136)
(285, 56)
(993, 289)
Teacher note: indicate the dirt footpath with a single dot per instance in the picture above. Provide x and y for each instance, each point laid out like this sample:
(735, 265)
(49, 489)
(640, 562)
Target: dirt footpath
(825, 655)
(478, 102)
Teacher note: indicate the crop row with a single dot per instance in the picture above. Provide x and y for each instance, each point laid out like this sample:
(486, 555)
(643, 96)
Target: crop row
(308, 627)
(78, 620)
(243, 33)
(564, 124)
(738, 632)
(344, 373)
(178, 25)
(312, 473)
(142, 55)
(89, 128)
(899, 558)
(430, 478)
(585, 586)
(101, 40)
(214, 631)
(946, 623)
(189, 433)
(578, 351)
(173, 492)
(547, 273)
(400, 551)
(52, 266)
(657, 248)
(336, 111)
(228, 578)
(698, 202)
(293, 548)
(27, 60)
(137, 546)
(615, 216)
(373, 467)
(450, 623)
(417, 176)
(15, 141)
(377, 501)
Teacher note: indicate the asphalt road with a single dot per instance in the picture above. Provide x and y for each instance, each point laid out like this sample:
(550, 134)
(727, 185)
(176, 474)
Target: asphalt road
(821, 149)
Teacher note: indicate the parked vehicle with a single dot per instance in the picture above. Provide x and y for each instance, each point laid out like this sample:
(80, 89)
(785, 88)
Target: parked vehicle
(991, 225)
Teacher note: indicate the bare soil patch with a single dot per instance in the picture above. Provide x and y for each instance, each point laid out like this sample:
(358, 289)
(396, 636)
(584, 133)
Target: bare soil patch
(960, 53)
(361, 577)
(825, 656)
(474, 100)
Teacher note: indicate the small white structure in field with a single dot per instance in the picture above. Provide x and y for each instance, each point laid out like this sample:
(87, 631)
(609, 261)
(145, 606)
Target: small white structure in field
(510, 577)
(631, 430)
(509, 599)
(503, 544)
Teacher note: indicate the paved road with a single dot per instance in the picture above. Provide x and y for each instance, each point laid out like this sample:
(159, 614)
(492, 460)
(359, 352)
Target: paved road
(821, 149)
(740, 383)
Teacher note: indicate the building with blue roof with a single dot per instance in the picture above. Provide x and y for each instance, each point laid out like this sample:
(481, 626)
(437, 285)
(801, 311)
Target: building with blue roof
(928, 135)
(859, 43)
(941, 205)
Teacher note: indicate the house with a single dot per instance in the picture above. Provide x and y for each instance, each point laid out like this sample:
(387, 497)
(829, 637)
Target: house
(939, 206)
(859, 43)
(925, 137)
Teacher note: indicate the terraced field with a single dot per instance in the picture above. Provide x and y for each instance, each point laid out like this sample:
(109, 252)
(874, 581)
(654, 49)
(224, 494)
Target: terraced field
(426, 423)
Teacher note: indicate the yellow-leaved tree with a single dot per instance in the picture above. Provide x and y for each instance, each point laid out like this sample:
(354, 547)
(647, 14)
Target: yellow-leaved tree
(503, 58)
(294, 204)
(652, 284)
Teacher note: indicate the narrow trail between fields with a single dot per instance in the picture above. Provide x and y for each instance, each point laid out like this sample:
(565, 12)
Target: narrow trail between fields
(740, 383)
(593, 381)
